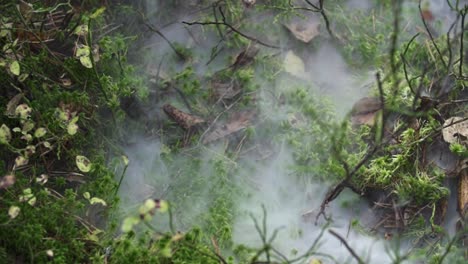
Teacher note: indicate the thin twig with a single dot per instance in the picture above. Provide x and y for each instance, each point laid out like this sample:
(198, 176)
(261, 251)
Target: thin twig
(359, 260)
(226, 24)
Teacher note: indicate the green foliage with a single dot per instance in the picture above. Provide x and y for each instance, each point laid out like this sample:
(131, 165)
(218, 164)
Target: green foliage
(58, 135)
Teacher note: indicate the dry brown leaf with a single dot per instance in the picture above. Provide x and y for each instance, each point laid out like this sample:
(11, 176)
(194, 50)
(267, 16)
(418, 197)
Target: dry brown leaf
(12, 104)
(237, 122)
(246, 56)
(455, 130)
(183, 119)
(224, 89)
(304, 31)
(365, 110)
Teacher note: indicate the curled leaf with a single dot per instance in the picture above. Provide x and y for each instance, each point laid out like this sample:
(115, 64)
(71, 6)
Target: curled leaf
(83, 163)
(96, 200)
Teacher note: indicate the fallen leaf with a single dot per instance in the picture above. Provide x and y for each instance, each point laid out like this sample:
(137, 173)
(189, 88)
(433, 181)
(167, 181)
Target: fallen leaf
(236, 123)
(224, 89)
(246, 57)
(12, 104)
(183, 119)
(304, 31)
(294, 65)
(364, 111)
(7, 181)
(455, 130)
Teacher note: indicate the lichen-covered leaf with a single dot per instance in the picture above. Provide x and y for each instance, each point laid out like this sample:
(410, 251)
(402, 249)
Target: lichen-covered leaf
(47, 144)
(23, 111)
(163, 206)
(5, 134)
(129, 222)
(125, 160)
(15, 68)
(83, 163)
(14, 211)
(81, 30)
(28, 197)
(72, 128)
(147, 207)
(40, 132)
(21, 161)
(294, 65)
(83, 54)
(86, 61)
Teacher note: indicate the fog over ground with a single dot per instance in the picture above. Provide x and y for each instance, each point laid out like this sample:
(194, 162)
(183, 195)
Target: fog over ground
(290, 204)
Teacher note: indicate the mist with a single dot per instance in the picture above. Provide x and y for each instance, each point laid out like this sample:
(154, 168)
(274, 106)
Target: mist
(291, 204)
